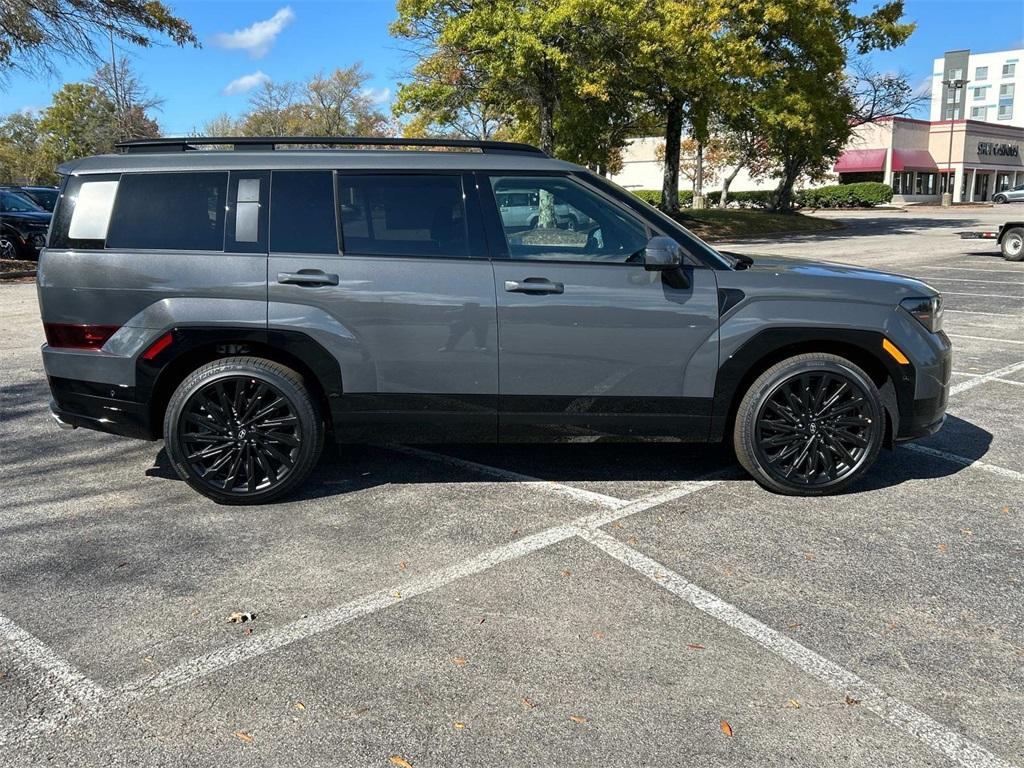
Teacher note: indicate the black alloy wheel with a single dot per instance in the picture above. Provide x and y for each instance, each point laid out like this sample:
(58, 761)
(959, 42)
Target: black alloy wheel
(814, 428)
(810, 425)
(243, 430)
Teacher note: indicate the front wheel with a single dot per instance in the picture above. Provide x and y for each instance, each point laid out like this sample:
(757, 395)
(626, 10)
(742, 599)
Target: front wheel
(1013, 244)
(811, 425)
(243, 430)
(999, 199)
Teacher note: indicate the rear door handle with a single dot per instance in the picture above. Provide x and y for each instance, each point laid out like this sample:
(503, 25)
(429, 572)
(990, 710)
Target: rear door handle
(534, 286)
(311, 277)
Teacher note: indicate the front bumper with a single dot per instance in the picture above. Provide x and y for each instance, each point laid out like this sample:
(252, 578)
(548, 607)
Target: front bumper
(927, 410)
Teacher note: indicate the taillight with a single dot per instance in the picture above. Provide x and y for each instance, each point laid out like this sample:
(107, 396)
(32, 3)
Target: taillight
(78, 336)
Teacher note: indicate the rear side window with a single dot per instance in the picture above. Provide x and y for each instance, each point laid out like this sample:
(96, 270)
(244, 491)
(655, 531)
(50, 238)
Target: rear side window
(169, 211)
(302, 212)
(403, 215)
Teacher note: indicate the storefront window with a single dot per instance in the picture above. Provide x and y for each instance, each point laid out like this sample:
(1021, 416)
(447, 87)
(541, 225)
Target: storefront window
(903, 183)
(924, 184)
(1003, 181)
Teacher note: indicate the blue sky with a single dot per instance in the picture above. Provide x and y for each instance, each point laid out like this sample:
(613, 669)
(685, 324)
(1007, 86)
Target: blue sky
(245, 41)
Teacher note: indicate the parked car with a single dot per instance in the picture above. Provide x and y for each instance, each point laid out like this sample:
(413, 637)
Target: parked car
(44, 197)
(1012, 195)
(23, 225)
(244, 304)
(521, 209)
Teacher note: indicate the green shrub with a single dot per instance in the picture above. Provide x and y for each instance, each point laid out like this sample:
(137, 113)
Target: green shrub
(759, 199)
(865, 194)
(653, 196)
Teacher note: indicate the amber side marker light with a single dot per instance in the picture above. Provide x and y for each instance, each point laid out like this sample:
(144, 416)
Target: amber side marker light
(894, 352)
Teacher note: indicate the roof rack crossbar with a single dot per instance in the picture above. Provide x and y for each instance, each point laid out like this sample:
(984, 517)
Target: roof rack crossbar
(270, 143)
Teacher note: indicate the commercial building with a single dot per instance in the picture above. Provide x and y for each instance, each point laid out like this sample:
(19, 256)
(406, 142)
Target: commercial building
(921, 159)
(991, 90)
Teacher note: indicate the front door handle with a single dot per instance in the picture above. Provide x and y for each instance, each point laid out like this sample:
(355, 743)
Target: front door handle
(311, 277)
(535, 286)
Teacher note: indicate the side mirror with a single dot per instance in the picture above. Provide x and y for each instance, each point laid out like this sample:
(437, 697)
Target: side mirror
(662, 253)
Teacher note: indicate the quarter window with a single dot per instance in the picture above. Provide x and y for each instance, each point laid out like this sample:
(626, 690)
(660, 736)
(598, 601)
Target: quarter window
(403, 215)
(169, 211)
(553, 218)
(302, 212)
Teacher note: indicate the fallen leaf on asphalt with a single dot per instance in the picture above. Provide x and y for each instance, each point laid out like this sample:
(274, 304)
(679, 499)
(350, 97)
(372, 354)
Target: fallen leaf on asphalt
(459, 725)
(567, 572)
(148, 659)
(794, 626)
(809, 556)
(598, 635)
(1005, 510)
(851, 701)
(528, 703)
(237, 617)
(632, 541)
(726, 728)
(943, 548)
(579, 719)
(360, 711)
(515, 531)
(616, 524)
(248, 631)
(401, 762)
(966, 531)
(695, 646)
(243, 736)
(300, 706)
(403, 565)
(398, 595)
(792, 704)
(459, 661)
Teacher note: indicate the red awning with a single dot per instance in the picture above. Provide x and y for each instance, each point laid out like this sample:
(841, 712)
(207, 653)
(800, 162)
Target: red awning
(913, 160)
(860, 161)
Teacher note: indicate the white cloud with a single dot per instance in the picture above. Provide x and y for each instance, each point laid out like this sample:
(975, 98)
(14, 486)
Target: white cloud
(378, 95)
(246, 83)
(257, 38)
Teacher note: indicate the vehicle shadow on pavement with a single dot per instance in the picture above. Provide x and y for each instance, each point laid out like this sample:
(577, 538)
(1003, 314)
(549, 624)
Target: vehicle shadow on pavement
(351, 468)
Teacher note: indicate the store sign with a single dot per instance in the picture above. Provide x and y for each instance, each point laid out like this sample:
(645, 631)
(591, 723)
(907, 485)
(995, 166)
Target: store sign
(991, 148)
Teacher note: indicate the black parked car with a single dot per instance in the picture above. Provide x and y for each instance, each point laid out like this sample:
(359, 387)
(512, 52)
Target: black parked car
(23, 225)
(44, 197)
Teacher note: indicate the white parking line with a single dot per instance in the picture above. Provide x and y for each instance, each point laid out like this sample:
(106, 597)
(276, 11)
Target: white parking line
(301, 629)
(912, 721)
(27, 656)
(984, 338)
(978, 269)
(956, 458)
(956, 389)
(990, 314)
(983, 295)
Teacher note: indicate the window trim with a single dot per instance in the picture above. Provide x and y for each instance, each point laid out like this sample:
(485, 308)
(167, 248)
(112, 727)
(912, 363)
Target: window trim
(467, 193)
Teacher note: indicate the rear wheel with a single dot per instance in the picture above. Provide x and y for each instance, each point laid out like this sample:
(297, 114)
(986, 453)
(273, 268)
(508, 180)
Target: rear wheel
(1013, 244)
(243, 430)
(811, 425)
(9, 247)
(999, 199)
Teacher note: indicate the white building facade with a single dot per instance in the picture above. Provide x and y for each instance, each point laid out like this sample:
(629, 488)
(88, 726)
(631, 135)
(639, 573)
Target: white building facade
(994, 92)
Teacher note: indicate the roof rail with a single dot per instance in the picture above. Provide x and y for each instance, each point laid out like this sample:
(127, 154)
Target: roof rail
(270, 143)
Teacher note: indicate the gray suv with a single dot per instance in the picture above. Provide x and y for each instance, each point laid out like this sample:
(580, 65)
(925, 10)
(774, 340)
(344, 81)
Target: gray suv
(244, 303)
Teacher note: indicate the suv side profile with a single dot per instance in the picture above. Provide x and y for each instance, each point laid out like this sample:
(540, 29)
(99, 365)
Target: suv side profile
(245, 304)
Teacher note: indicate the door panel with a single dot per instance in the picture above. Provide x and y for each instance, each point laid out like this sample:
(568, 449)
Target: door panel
(617, 352)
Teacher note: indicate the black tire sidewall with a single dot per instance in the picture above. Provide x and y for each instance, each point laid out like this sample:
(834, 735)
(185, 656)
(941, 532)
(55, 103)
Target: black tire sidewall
(287, 383)
(759, 392)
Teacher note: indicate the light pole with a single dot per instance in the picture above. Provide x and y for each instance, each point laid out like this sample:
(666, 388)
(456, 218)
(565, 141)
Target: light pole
(947, 196)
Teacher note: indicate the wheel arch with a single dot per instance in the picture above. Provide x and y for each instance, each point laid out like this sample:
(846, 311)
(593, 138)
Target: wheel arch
(770, 346)
(192, 347)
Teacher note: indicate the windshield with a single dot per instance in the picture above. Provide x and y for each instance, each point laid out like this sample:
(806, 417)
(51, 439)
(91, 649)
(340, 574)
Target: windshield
(683, 236)
(11, 202)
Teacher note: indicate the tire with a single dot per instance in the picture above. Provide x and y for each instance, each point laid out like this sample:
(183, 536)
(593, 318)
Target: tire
(9, 247)
(999, 199)
(772, 431)
(254, 457)
(1012, 244)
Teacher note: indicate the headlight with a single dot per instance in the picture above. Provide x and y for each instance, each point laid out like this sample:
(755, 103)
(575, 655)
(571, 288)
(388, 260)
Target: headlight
(928, 310)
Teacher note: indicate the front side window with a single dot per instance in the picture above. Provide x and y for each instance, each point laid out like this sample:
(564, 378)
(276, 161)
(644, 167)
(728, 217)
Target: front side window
(302, 212)
(553, 218)
(169, 211)
(403, 215)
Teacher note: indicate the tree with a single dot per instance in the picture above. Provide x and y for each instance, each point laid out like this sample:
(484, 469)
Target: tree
(221, 125)
(274, 111)
(338, 104)
(525, 60)
(21, 158)
(79, 122)
(132, 101)
(34, 32)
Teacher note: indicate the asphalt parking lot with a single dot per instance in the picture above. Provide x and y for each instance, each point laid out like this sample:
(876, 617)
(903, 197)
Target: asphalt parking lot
(606, 605)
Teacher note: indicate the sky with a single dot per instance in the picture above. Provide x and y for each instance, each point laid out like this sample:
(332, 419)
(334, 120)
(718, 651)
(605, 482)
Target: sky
(246, 42)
